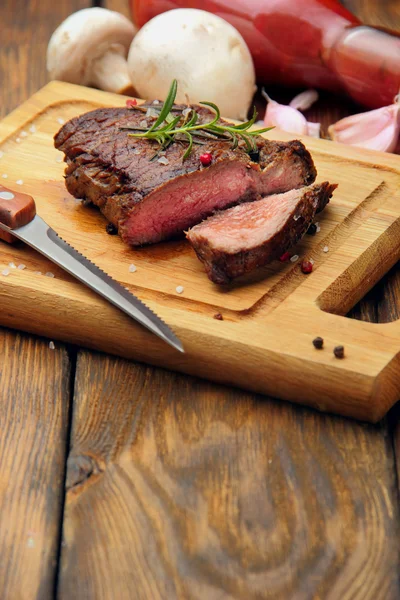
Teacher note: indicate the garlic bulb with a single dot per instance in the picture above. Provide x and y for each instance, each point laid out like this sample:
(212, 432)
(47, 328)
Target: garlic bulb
(377, 129)
(288, 118)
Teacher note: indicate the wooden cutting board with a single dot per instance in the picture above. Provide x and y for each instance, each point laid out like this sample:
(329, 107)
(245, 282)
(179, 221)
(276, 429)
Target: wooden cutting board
(264, 342)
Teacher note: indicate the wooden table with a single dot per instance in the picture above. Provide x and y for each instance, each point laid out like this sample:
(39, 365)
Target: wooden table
(121, 481)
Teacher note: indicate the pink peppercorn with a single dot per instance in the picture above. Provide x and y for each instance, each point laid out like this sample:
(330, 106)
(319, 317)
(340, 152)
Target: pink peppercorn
(285, 257)
(130, 103)
(206, 159)
(306, 266)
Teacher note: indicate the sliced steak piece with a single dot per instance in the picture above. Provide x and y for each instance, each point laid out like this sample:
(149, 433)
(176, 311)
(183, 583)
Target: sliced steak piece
(149, 201)
(240, 239)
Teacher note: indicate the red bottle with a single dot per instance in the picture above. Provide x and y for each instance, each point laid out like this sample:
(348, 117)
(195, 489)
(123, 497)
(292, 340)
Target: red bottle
(311, 43)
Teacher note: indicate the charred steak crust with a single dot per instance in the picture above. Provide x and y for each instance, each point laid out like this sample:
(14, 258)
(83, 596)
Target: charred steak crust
(226, 258)
(149, 201)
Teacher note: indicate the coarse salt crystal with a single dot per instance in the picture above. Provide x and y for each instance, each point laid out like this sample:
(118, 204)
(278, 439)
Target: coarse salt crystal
(52, 346)
(156, 102)
(5, 272)
(49, 274)
(60, 120)
(296, 217)
(294, 258)
(186, 111)
(132, 269)
(4, 176)
(18, 140)
(179, 289)
(326, 249)
(318, 227)
(311, 261)
(163, 161)
(59, 159)
(19, 182)
(32, 129)
(23, 134)
(135, 151)
(152, 112)
(37, 272)
(12, 265)
(143, 123)
(21, 267)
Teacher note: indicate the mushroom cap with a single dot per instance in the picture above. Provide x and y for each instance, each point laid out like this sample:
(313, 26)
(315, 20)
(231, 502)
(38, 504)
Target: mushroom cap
(208, 57)
(83, 37)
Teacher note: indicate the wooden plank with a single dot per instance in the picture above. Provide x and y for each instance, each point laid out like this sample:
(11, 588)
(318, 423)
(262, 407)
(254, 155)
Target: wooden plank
(34, 393)
(34, 380)
(121, 6)
(182, 489)
(26, 28)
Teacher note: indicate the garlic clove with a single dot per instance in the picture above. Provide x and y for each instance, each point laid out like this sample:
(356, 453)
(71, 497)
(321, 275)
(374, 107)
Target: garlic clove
(305, 100)
(314, 129)
(284, 117)
(376, 129)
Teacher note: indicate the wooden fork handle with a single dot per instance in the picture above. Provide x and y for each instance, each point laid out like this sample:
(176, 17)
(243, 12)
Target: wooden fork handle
(16, 210)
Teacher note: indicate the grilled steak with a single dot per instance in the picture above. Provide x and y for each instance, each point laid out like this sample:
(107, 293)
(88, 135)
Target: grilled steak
(242, 238)
(149, 201)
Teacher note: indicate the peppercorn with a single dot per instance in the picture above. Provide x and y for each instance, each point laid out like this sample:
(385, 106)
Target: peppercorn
(219, 317)
(338, 351)
(206, 159)
(254, 155)
(306, 266)
(312, 230)
(318, 343)
(285, 257)
(111, 229)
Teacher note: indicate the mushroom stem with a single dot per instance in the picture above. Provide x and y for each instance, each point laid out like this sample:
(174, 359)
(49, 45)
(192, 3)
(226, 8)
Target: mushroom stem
(110, 72)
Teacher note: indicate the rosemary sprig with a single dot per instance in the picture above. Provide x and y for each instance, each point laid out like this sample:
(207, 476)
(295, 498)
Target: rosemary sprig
(168, 128)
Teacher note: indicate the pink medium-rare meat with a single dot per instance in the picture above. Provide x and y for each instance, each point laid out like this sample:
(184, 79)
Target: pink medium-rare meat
(149, 201)
(238, 240)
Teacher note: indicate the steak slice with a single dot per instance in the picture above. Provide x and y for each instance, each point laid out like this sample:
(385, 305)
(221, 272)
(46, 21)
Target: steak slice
(240, 239)
(149, 201)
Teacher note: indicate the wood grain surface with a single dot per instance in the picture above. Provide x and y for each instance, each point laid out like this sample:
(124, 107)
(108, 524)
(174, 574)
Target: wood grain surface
(182, 489)
(34, 380)
(187, 450)
(34, 405)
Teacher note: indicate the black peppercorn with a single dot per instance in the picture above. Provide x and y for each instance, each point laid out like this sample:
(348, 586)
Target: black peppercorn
(312, 230)
(338, 351)
(111, 229)
(219, 317)
(318, 343)
(254, 155)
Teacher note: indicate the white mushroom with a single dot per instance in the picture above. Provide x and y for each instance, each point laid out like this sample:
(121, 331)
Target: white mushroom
(208, 57)
(90, 48)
